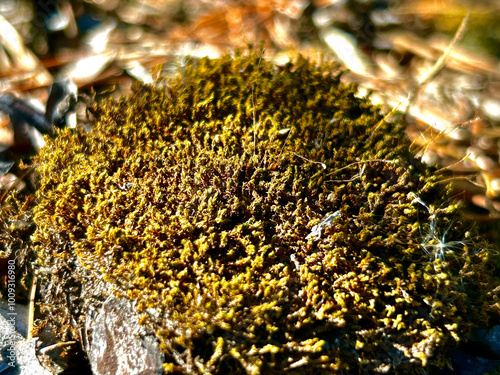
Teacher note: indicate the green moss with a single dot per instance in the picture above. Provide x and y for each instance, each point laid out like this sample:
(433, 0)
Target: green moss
(16, 228)
(196, 197)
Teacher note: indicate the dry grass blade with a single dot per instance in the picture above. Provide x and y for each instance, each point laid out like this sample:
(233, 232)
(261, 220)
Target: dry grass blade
(55, 346)
(31, 310)
(441, 62)
(24, 62)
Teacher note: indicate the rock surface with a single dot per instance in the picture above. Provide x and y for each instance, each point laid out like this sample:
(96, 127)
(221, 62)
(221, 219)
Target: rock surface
(119, 344)
(488, 340)
(467, 364)
(17, 354)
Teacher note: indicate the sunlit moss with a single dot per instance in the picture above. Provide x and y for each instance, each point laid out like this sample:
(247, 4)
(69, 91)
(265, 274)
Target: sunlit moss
(195, 197)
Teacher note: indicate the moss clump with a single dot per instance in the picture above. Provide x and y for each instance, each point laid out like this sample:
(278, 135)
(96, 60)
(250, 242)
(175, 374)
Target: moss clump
(196, 199)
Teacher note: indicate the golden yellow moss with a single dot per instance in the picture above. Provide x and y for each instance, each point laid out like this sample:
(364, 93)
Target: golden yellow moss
(196, 197)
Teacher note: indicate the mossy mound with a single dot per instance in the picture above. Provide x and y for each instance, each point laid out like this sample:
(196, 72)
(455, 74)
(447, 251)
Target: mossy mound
(197, 199)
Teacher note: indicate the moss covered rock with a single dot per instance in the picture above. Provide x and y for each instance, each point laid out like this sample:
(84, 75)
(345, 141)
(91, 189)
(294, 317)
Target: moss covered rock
(209, 201)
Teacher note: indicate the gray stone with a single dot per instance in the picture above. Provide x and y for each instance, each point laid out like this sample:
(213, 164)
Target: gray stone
(492, 339)
(18, 355)
(467, 364)
(118, 344)
(20, 312)
(488, 341)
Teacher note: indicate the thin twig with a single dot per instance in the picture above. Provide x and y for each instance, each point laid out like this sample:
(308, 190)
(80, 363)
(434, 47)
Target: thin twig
(310, 161)
(55, 346)
(449, 166)
(253, 104)
(464, 178)
(31, 309)
(439, 64)
(14, 184)
(254, 117)
(386, 117)
(361, 162)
